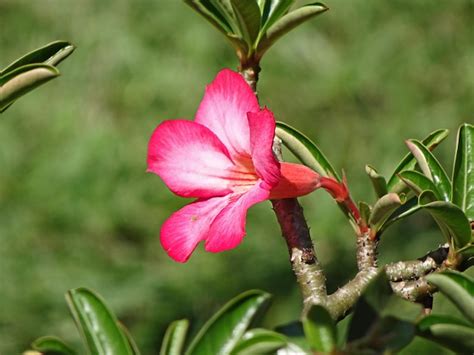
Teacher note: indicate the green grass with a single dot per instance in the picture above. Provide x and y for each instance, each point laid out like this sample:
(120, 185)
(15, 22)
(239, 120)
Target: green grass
(78, 209)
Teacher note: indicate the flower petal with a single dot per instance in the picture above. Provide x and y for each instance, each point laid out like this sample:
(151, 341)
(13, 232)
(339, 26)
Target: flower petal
(262, 132)
(190, 159)
(182, 232)
(228, 228)
(224, 108)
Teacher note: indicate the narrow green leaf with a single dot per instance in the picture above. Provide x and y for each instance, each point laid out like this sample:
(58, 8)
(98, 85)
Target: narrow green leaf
(259, 341)
(97, 323)
(287, 23)
(430, 166)
(174, 338)
(22, 80)
(405, 210)
(457, 338)
(426, 322)
(463, 171)
(365, 211)
(207, 10)
(459, 288)
(305, 150)
(409, 162)
(223, 331)
(450, 218)
(129, 337)
(320, 330)
(272, 11)
(52, 54)
(383, 208)
(418, 182)
(50, 345)
(247, 13)
(378, 181)
(295, 333)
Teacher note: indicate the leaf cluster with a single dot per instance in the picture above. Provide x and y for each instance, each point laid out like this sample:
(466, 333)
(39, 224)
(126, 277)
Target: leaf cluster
(31, 70)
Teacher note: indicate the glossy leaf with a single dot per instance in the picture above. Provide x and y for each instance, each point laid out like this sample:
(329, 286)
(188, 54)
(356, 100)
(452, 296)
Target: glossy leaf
(463, 172)
(211, 13)
(272, 10)
(320, 330)
(378, 181)
(430, 166)
(259, 341)
(131, 341)
(384, 208)
(459, 288)
(450, 218)
(97, 323)
(22, 80)
(173, 341)
(223, 331)
(297, 340)
(247, 14)
(288, 22)
(305, 150)
(49, 345)
(418, 182)
(365, 211)
(409, 162)
(455, 337)
(52, 54)
(426, 322)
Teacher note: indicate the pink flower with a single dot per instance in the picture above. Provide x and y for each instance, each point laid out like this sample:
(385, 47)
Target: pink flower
(224, 159)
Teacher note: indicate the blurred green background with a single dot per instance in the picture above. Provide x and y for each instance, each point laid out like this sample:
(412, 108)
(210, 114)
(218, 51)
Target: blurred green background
(78, 209)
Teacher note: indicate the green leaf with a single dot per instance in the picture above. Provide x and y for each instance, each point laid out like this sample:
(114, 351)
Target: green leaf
(430, 166)
(52, 54)
(287, 23)
(365, 211)
(211, 13)
(320, 329)
(50, 345)
(378, 181)
(223, 331)
(305, 150)
(259, 341)
(247, 13)
(22, 80)
(214, 12)
(457, 338)
(426, 322)
(174, 338)
(418, 182)
(272, 11)
(450, 218)
(97, 323)
(131, 341)
(384, 208)
(463, 172)
(409, 162)
(459, 288)
(295, 333)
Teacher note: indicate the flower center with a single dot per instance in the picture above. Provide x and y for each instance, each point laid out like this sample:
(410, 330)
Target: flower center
(243, 175)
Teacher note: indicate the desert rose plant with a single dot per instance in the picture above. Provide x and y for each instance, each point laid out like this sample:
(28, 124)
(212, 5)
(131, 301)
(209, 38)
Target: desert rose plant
(229, 158)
